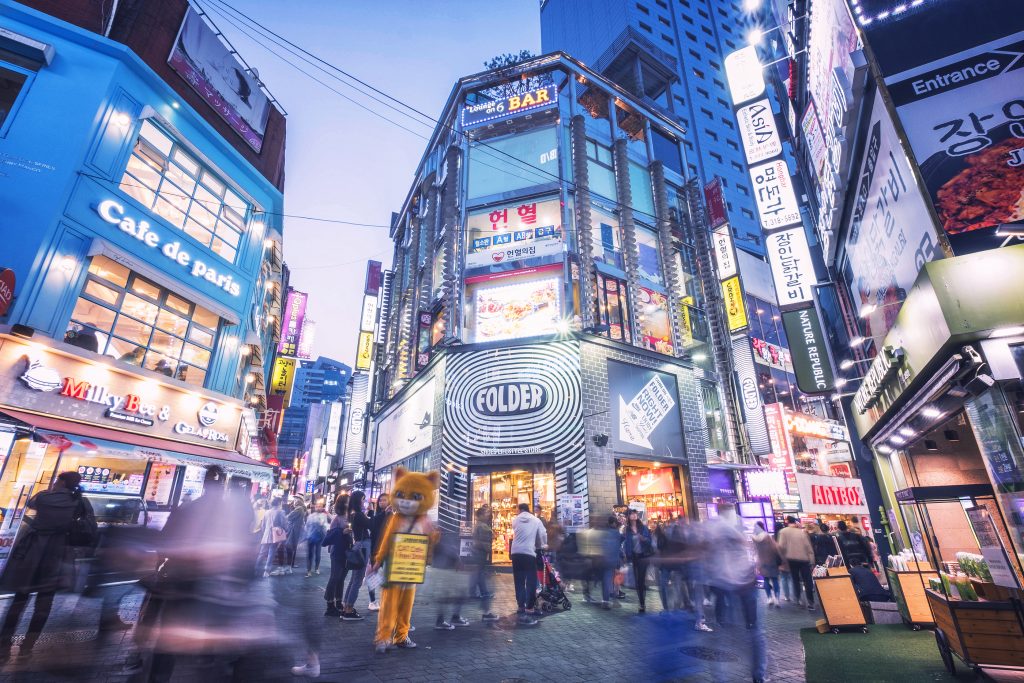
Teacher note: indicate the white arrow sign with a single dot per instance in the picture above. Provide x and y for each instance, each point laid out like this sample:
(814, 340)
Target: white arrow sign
(640, 417)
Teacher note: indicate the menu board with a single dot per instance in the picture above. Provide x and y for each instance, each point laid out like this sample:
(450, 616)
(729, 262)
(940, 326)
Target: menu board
(408, 561)
(523, 309)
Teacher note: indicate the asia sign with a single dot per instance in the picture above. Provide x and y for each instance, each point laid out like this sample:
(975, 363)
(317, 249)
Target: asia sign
(364, 351)
(735, 307)
(513, 232)
(809, 349)
(758, 132)
(495, 110)
(831, 495)
(224, 83)
(773, 191)
(964, 118)
(291, 323)
(792, 268)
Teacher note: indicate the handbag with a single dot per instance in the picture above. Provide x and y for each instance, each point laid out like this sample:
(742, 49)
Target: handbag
(278, 535)
(83, 532)
(355, 558)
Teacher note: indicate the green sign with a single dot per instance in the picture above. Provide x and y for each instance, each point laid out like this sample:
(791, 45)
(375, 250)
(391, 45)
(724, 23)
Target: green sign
(814, 373)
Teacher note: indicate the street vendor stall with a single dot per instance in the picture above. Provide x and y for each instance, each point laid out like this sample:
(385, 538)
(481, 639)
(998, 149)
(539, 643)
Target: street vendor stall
(975, 599)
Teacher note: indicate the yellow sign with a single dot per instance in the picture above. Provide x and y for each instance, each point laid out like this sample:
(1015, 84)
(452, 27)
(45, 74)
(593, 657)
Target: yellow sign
(364, 351)
(735, 308)
(282, 377)
(408, 561)
(685, 324)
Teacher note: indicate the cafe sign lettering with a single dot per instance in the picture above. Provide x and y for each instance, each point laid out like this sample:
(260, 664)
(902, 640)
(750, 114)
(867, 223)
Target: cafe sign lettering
(882, 370)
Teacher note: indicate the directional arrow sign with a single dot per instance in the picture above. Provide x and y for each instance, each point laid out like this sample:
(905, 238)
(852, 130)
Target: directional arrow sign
(641, 416)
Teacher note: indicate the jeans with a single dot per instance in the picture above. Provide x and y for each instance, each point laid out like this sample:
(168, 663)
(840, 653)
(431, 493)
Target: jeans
(640, 579)
(786, 579)
(44, 603)
(336, 582)
(771, 584)
(480, 580)
(265, 558)
(801, 572)
(697, 594)
(356, 575)
(524, 576)
(313, 550)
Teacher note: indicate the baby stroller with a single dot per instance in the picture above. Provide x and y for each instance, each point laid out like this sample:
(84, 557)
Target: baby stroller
(551, 595)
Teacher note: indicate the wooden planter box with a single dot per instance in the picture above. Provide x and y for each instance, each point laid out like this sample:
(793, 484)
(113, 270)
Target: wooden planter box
(982, 634)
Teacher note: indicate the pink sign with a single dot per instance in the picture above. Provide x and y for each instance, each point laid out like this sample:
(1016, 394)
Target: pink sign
(291, 325)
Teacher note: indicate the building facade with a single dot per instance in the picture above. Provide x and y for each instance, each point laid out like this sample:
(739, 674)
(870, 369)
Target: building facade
(545, 332)
(142, 252)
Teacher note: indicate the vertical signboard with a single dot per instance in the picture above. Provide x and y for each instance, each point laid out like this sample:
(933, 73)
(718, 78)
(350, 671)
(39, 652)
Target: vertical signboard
(792, 269)
(750, 395)
(758, 132)
(334, 428)
(364, 351)
(782, 454)
(735, 306)
(291, 324)
(373, 278)
(809, 350)
(725, 253)
(355, 427)
(306, 337)
(714, 201)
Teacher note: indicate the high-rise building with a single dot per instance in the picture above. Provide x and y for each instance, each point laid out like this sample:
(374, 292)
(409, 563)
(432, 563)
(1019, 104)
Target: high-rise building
(670, 54)
(320, 381)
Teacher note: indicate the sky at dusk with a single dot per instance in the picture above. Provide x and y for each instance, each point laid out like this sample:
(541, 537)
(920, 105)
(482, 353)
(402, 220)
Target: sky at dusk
(344, 162)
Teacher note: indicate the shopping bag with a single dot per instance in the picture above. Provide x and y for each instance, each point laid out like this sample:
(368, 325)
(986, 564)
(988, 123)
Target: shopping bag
(278, 535)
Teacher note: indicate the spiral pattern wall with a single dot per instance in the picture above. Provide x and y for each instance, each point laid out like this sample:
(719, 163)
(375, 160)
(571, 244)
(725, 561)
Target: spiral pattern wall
(511, 402)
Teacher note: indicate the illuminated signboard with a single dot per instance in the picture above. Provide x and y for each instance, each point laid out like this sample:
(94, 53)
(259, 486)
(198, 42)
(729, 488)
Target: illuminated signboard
(771, 355)
(743, 69)
(523, 309)
(291, 325)
(810, 425)
(306, 337)
(782, 454)
(808, 346)
(512, 232)
(773, 190)
(760, 136)
(282, 376)
(725, 255)
(765, 483)
(792, 269)
(735, 308)
(494, 110)
(368, 319)
(364, 351)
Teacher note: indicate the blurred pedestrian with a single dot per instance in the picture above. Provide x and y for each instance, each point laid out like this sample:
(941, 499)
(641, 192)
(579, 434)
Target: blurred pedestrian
(795, 547)
(528, 536)
(696, 572)
(479, 577)
(315, 530)
(638, 547)
(671, 546)
(823, 542)
(339, 540)
(855, 548)
(358, 556)
(378, 523)
(272, 534)
(768, 562)
(39, 559)
(449, 585)
(296, 525)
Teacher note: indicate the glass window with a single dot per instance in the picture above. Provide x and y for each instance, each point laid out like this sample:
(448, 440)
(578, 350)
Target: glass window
(111, 318)
(649, 262)
(164, 178)
(666, 150)
(607, 238)
(643, 194)
(613, 308)
(11, 84)
(512, 163)
(601, 170)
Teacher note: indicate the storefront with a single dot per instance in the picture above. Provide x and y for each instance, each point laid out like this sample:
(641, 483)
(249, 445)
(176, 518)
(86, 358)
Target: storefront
(504, 491)
(130, 435)
(655, 489)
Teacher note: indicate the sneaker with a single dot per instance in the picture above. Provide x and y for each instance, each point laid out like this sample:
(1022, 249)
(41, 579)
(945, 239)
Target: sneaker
(277, 572)
(810, 608)
(486, 596)
(265, 575)
(459, 621)
(443, 626)
(703, 628)
(490, 616)
(287, 570)
(380, 648)
(317, 572)
(373, 606)
(351, 615)
(642, 609)
(406, 644)
(606, 605)
(526, 620)
(588, 598)
(332, 611)
(309, 574)
(411, 628)
(307, 670)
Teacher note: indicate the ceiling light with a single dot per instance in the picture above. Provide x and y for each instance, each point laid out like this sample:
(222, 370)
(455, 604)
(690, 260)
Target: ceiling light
(857, 341)
(1007, 332)
(840, 381)
(898, 440)
(931, 411)
(906, 431)
(884, 449)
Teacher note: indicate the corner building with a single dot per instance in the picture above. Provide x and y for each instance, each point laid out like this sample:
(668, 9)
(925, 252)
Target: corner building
(546, 338)
(141, 230)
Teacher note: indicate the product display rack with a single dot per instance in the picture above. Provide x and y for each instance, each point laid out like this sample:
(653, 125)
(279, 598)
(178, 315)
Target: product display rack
(908, 588)
(839, 600)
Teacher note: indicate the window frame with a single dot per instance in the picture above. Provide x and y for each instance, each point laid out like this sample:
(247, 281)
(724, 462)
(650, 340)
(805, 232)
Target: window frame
(12, 114)
(625, 317)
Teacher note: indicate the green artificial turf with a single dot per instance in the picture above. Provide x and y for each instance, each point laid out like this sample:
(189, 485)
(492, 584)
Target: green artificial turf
(887, 653)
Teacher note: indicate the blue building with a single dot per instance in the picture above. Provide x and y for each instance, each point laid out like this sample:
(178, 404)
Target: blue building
(320, 381)
(670, 53)
(142, 199)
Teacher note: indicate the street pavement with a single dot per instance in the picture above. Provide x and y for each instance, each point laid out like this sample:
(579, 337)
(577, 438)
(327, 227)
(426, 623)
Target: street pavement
(586, 643)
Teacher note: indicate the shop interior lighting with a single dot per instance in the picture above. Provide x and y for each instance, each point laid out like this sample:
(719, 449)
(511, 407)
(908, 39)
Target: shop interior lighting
(906, 431)
(898, 440)
(884, 449)
(1007, 332)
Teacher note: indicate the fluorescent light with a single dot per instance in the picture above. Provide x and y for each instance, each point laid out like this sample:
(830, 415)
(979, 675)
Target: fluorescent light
(846, 364)
(1007, 331)
(700, 357)
(867, 309)
(931, 411)
(857, 341)
(906, 431)
(884, 449)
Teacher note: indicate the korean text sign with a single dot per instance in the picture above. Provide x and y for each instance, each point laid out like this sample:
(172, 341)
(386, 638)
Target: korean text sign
(513, 232)
(792, 268)
(773, 190)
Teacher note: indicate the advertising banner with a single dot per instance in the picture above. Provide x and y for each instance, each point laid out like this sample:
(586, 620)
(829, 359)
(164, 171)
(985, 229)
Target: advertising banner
(809, 349)
(831, 495)
(522, 309)
(750, 394)
(773, 190)
(891, 232)
(714, 201)
(306, 337)
(373, 278)
(282, 377)
(651, 482)
(735, 306)
(792, 268)
(408, 560)
(771, 355)
(291, 323)
(744, 72)
(407, 428)
(571, 513)
(364, 351)
(655, 325)
(645, 418)
(213, 70)
(964, 118)
(512, 232)
(758, 132)
(495, 110)
(356, 422)
(782, 453)
(725, 254)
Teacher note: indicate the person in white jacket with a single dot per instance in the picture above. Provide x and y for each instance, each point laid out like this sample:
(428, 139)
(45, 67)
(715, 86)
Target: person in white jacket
(528, 536)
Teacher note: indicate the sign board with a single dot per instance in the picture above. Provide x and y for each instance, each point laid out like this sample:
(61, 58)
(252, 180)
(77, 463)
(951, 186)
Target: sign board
(291, 323)
(991, 547)
(735, 307)
(7, 282)
(306, 336)
(773, 191)
(765, 483)
(283, 376)
(373, 278)
(571, 512)
(792, 268)
(725, 254)
(744, 71)
(714, 201)
(831, 495)
(513, 232)
(809, 349)
(368, 317)
(651, 482)
(408, 427)
(772, 355)
(758, 132)
(222, 81)
(364, 351)
(782, 454)
(645, 410)
(408, 560)
(495, 110)
(750, 394)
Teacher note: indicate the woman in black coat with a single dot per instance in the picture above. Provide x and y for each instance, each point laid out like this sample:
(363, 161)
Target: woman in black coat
(37, 561)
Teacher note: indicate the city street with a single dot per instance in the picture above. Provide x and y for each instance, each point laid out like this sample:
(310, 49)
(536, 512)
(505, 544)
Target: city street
(584, 644)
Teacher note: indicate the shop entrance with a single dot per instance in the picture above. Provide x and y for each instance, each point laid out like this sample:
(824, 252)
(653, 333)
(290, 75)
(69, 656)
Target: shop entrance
(655, 488)
(504, 490)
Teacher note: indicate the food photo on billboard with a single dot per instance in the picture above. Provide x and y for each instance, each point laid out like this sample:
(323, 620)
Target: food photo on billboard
(516, 305)
(655, 325)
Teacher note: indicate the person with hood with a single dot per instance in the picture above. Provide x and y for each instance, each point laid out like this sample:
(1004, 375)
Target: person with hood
(37, 561)
(768, 562)
(855, 549)
(528, 536)
(295, 525)
(795, 547)
(637, 547)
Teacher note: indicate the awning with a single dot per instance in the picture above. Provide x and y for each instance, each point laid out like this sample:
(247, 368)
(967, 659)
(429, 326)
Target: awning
(157, 450)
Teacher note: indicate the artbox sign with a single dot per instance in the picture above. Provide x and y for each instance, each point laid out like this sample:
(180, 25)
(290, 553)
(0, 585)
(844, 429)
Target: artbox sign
(760, 136)
(51, 383)
(645, 411)
(831, 495)
(513, 232)
(494, 110)
(792, 268)
(113, 212)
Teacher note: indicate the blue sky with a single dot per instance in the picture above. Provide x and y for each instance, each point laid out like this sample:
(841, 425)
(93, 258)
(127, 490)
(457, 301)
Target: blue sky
(342, 161)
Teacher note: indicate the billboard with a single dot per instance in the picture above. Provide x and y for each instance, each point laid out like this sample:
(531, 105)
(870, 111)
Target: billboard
(291, 324)
(512, 232)
(282, 377)
(758, 132)
(725, 254)
(355, 422)
(373, 278)
(891, 233)
(773, 190)
(306, 337)
(964, 119)
(782, 454)
(490, 111)
(714, 200)
(224, 83)
(735, 307)
(407, 428)
(809, 350)
(364, 351)
(645, 417)
(792, 268)
(368, 317)
(750, 394)
(522, 309)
